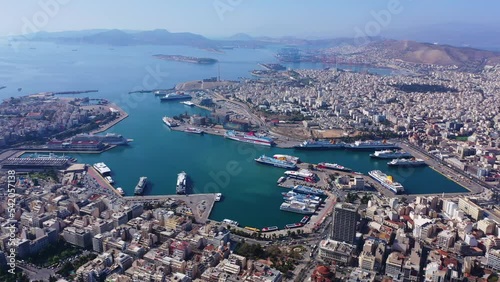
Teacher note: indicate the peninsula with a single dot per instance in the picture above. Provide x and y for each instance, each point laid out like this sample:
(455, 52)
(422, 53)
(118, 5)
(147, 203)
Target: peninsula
(179, 58)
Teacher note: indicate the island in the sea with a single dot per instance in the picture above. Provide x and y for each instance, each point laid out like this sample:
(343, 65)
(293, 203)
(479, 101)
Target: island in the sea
(179, 58)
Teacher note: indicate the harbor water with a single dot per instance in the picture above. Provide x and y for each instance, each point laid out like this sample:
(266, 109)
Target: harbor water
(214, 164)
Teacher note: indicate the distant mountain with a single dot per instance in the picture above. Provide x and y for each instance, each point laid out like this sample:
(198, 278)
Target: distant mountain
(427, 53)
(457, 34)
(120, 38)
(240, 37)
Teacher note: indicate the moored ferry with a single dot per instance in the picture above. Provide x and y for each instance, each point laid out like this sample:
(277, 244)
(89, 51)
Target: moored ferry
(334, 167)
(308, 190)
(287, 158)
(176, 96)
(319, 145)
(249, 138)
(296, 207)
(102, 168)
(181, 183)
(302, 174)
(407, 162)
(275, 162)
(387, 181)
(141, 185)
(170, 122)
(390, 154)
(369, 145)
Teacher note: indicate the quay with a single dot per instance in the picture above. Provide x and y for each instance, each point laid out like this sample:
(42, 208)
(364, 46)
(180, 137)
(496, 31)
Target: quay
(114, 108)
(200, 205)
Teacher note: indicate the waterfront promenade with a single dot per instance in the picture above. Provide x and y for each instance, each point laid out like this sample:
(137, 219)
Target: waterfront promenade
(123, 115)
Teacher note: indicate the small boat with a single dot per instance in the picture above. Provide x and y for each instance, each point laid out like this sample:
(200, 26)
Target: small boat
(120, 190)
(188, 103)
(231, 222)
(304, 220)
(252, 229)
(194, 130)
(269, 229)
(109, 179)
(293, 225)
(281, 180)
(218, 197)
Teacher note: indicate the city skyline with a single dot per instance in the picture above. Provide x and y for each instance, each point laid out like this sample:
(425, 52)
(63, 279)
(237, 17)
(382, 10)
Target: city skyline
(222, 18)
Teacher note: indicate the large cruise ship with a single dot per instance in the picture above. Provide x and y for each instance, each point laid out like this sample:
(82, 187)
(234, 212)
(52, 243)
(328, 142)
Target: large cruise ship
(319, 145)
(248, 138)
(275, 162)
(176, 96)
(296, 207)
(370, 145)
(102, 168)
(170, 122)
(181, 183)
(387, 181)
(407, 162)
(302, 174)
(334, 167)
(287, 158)
(141, 185)
(390, 154)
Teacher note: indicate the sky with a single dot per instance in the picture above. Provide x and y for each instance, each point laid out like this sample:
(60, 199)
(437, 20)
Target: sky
(220, 18)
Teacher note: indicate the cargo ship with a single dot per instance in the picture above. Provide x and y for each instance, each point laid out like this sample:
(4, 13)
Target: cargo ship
(293, 225)
(390, 154)
(102, 168)
(230, 222)
(180, 188)
(334, 167)
(370, 145)
(319, 145)
(139, 188)
(387, 181)
(296, 207)
(175, 96)
(249, 138)
(275, 162)
(287, 158)
(170, 122)
(270, 228)
(302, 174)
(308, 190)
(407, 162)
(194, 130)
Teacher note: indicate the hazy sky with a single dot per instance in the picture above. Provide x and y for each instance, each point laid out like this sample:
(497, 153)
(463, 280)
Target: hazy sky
(325, 18)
